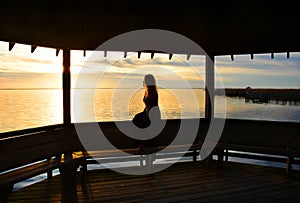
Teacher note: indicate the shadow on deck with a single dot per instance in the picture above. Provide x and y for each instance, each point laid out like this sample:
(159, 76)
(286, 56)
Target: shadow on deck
(182, 182)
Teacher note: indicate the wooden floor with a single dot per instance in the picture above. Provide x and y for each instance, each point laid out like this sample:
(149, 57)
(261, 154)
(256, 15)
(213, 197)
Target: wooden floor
(183, 182)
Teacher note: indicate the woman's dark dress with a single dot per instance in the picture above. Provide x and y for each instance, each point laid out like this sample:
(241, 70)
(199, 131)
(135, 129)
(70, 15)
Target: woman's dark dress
(142, 119)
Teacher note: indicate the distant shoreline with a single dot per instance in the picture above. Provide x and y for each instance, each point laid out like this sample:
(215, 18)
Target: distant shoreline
(262, 95)
(244, 90)
(228, 90)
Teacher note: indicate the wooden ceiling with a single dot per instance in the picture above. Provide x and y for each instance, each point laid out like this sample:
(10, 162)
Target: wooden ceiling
(244, 27)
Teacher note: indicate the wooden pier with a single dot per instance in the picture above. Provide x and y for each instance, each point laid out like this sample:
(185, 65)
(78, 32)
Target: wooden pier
(264, 95)
(182, 182)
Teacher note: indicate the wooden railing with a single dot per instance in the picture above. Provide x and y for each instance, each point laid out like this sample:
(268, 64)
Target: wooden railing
(31, 152)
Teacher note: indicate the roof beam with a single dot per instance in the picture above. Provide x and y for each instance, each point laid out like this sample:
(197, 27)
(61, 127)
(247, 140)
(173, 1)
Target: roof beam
(33, 47)
(152, 55)
(11, 45)
(188, 56)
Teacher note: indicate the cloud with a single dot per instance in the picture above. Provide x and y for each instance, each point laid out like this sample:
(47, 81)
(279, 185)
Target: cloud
(261, 65)
(132, 66)
(21, 60)
(21, 65)
(30, 80)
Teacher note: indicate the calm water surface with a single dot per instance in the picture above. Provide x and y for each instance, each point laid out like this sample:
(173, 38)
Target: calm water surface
(21, 109)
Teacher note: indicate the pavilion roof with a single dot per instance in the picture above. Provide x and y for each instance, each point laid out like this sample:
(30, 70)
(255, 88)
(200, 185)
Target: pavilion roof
(220, 28)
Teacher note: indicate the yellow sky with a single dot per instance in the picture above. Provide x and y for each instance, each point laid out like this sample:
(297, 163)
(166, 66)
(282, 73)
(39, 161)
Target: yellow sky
(20, 68)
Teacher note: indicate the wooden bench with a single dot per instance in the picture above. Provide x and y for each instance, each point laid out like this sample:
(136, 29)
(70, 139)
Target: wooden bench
(260, 140)
(31, 152)
(28, 153)
(124, 143)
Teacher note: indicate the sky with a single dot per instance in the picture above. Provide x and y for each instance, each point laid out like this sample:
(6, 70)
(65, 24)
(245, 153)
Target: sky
(21, 69)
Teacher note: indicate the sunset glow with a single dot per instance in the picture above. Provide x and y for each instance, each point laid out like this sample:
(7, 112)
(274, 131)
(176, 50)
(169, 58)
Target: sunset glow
(20, 69)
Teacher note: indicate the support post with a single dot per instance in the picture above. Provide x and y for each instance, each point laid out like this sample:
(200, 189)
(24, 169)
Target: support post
(149, 161)
(67, 86)
(68, 170)
(209, 86)
(195, 155)
(289, 167)
(226, 155)
(5, 191)
(220, 154)
(141, 160)
(49, 171)
(290, 160)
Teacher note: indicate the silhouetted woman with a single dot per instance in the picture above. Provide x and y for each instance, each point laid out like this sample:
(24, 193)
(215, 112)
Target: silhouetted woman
(151, 111)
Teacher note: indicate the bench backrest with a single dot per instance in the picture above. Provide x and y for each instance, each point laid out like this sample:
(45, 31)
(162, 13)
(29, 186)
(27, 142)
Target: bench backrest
(25, 149)
(267, 134)
(120, 140)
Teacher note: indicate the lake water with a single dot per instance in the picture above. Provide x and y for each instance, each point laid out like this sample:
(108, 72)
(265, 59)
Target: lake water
(21, 109)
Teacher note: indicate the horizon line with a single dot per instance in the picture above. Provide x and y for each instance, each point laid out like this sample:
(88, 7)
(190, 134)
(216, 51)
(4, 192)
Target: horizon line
(46, 88)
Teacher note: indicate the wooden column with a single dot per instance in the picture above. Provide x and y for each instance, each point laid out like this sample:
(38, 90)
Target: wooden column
(210, 86)
(67, 86)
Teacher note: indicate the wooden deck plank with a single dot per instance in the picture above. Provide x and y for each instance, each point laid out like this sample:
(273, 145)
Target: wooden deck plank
(182, 182)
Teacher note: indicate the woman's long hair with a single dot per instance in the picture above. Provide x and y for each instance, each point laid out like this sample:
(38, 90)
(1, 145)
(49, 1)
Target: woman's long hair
(151, 90)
